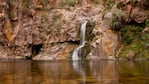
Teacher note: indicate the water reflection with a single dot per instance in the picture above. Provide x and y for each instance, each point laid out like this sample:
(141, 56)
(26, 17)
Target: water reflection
(77, 72)
(15, 72)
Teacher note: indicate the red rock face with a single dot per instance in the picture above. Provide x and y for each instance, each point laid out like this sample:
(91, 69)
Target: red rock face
(24, 23)
(136, 10)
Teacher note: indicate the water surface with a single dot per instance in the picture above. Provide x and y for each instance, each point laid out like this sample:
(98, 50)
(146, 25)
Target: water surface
(77, 72)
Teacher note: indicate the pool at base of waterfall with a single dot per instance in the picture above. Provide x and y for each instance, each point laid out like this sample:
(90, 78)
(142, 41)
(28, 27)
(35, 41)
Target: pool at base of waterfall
(74, 72)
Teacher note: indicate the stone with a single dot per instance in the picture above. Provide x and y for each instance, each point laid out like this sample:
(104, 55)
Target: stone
(130, 54)
(145, 30)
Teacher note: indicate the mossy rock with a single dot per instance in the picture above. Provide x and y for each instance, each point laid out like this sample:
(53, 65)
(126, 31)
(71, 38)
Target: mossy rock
(89, 31)
(83, 52)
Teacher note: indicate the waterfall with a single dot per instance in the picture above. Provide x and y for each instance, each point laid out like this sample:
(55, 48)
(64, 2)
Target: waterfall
(75, 55)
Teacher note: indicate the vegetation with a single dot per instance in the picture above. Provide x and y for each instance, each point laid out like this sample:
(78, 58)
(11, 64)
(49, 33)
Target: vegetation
(89, 30)
(134, 40)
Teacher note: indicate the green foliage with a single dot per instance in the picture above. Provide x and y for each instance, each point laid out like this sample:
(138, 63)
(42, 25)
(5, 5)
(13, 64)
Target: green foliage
(130, 33)
(134, 40)
(147, 23)
(128, 38)
(117, 20)
(89, 30)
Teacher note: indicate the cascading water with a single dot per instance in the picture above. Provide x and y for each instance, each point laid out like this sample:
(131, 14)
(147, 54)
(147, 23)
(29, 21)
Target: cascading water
(75, 55)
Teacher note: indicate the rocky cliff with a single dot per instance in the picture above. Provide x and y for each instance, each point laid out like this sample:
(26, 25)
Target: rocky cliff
(49, 29)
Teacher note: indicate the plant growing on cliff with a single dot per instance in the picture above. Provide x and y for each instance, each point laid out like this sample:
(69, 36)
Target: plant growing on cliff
(117, 20)
(89, 31)
(147, 23)
(134, 40)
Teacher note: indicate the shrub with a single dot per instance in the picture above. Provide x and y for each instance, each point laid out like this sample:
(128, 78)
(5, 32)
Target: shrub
(147, 23)
(117, 20)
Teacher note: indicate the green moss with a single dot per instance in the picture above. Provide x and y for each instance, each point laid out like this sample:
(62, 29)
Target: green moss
(127, 38)
(147, 23)
(89, 30)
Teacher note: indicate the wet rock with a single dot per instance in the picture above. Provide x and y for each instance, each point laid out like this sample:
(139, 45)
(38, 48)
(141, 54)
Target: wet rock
(106, 42)
(56, 51)
(145, 30)
(130, 55)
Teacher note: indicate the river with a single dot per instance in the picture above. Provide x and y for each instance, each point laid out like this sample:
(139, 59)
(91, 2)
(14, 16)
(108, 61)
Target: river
(74, 72)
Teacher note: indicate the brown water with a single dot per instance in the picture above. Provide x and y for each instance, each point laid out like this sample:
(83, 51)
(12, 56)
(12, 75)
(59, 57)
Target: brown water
(68, 72)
